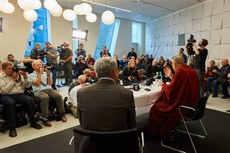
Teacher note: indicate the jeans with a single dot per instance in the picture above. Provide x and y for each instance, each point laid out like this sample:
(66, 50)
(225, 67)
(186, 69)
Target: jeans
(209, 83)
(10, 101)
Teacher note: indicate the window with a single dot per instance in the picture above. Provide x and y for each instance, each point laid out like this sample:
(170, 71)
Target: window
(39, 32)
(107, 37)
(136, 32)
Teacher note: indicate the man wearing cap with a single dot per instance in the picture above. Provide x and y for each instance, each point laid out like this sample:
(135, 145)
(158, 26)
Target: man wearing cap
(66, 59)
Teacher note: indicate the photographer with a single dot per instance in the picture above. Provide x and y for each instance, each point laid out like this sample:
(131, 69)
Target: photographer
(80, 66)
(41, 84)
(80, 51)
(12, 87)
(66, 59)
(37, 53)
(104, 52)
(51, 58)
(200, 59)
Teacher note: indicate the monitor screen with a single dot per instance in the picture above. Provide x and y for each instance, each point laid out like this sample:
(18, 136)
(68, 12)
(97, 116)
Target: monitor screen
(80, 34)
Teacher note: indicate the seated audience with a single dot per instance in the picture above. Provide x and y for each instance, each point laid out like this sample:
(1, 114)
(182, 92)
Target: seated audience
(12, 87)
(80, 66)
(10, 58)
(118, 62)
(140, 66)
(130, 73)
(72, 100)
(182, 90)
(41, 83)
(90, 76)
(221, 79)
(161, 62)
(95, 112)
(90, 60)
(209, 69)
(124, 62)
(150, 59)
(152, 69)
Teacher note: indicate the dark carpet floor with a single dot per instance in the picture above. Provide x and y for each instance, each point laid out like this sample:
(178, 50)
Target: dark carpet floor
(218, 140)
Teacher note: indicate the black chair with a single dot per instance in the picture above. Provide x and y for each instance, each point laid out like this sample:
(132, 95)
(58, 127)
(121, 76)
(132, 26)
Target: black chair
(88, 141)
(198, 113)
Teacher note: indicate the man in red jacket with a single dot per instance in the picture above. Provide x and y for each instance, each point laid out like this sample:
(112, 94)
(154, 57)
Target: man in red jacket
(183, 90)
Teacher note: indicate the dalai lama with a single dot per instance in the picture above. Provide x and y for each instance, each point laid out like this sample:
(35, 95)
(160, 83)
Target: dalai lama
(182, 90)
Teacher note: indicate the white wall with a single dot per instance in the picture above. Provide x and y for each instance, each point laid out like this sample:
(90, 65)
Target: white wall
(209, 20)
(16, 32)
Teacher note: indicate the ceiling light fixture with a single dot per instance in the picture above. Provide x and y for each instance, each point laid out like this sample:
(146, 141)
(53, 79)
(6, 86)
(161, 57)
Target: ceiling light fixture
(69, 14)
(108, 17)
(116, 8)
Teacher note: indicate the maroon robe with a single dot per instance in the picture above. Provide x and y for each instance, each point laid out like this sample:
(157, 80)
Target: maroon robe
(183, 90)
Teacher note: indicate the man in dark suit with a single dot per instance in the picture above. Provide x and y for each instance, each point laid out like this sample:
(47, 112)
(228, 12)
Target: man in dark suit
(105, 105)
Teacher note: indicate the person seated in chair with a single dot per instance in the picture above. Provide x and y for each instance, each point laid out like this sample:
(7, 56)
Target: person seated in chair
(152, 69)
(41, 83)
(105, 105)
(220, 79)
(183, 90)
(130, 73)
(72, 100)
(12, 87)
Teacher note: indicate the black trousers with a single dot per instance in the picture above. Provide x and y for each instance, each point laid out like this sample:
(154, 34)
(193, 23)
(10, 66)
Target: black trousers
(10, 101)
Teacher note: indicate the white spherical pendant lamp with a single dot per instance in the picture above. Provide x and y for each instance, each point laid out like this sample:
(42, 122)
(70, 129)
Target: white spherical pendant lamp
(37, 4)
(8, 8)
(26, 4)
(91, 17)
(30, 15)
(77, 9)
(108, 17)
(85, 8)
(69, 15)
(57, 11)
(50, 4)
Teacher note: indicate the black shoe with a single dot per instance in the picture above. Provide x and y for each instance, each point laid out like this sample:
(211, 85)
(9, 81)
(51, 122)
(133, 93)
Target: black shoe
(12, 132)
(225, 96)
(35, 125)
(214, 95)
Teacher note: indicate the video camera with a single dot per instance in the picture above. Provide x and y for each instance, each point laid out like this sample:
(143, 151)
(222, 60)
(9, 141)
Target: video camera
(189, 45)
(18, 67)
(60, 48)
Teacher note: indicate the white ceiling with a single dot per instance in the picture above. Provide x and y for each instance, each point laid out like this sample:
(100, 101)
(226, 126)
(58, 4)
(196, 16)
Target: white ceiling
(142, 10)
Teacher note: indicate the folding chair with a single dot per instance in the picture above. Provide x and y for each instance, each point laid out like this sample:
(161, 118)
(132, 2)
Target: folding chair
(198, 113)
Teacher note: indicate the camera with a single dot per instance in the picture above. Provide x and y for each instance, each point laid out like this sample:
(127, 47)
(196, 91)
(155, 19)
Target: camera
(17, 68)
(47, 66)
(189, 45)
(60, 48)
(149, 81)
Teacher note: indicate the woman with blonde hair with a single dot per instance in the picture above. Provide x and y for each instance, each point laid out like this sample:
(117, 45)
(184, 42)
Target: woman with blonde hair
(130, 73)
